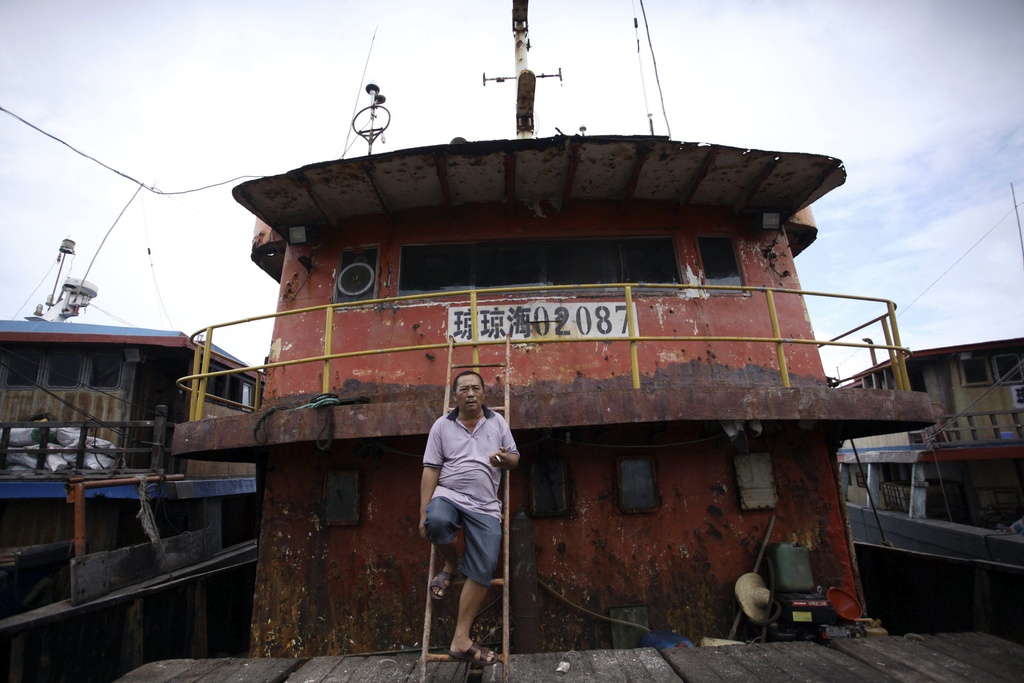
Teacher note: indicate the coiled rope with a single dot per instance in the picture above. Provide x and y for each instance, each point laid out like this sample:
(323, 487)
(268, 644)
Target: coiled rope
(324, 439)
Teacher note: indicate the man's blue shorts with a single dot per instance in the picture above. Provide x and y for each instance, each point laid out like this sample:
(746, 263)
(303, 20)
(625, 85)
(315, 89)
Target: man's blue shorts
(481, 537)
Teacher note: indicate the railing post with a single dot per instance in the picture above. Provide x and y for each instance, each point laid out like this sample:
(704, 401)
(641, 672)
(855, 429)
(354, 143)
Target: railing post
(203, 383)
(474, 325)
(258, 398)
(900, 364)
(193, 397)
(328, 345)
(896, 376)
(779, 350)
(631, 328)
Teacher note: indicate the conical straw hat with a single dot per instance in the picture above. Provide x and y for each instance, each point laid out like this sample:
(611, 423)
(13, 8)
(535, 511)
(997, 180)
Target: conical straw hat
(753, 596)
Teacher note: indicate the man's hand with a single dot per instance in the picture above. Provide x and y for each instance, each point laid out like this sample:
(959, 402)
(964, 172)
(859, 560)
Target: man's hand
(501, 459)
(423, 526)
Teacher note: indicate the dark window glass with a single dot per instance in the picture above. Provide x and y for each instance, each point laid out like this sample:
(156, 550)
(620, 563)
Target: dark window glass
(343, 497)
(1008, 368)
(637, 491)
(549, 487)
(106, 371)
(23, 368)
(719, 261)
(975, 370)
(65, 369)
(436, 268)
(448, 267)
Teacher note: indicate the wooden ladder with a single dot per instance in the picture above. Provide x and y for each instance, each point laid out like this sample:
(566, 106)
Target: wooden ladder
(502, 581)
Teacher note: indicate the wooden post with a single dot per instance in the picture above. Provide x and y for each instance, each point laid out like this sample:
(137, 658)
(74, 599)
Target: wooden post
(76, 495)
(5, 440)
(159, 439)
(83, 434)
(132, 638)
(16, 670)
(44, 436)
(197, 645)
(918, 492)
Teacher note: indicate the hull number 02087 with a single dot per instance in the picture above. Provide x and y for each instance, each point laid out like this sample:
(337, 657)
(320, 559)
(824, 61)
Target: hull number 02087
(542, 320)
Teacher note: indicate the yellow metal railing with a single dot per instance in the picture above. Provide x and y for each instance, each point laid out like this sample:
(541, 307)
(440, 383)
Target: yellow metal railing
(196, 383)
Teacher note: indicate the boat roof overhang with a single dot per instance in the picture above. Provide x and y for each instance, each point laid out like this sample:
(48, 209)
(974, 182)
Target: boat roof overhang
(43, 332)
(554, 171)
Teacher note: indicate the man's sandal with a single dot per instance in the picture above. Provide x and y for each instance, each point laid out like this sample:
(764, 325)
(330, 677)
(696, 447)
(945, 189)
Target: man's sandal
(475, 654)
(440, 583)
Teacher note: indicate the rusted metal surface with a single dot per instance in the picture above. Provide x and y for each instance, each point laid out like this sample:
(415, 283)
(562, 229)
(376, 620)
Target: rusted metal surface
(326, 588)
(686, 313)
(409, 411)
(341, 589)
(407, 179)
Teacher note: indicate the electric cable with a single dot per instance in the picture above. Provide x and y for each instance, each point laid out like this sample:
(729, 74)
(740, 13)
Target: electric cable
(348, 133)
(35, 290)
(112, 316)
(640, 62)
(141, 184)
(654, 61)
(593, 614)
(936, 281)
(152, 270)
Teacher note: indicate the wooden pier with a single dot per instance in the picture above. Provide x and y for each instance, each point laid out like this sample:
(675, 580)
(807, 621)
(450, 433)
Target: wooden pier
(944, 657)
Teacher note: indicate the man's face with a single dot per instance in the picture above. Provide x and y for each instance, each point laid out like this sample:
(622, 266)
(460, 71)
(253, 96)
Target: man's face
(469, 395)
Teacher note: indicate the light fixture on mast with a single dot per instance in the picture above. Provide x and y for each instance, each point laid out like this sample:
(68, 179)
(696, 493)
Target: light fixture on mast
(75, 293)
(373, 129)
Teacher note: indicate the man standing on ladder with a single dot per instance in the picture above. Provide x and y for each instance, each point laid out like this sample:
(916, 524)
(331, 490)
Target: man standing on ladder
(462, 467)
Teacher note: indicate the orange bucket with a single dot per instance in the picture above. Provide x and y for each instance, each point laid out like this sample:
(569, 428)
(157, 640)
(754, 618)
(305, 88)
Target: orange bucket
(845, 604)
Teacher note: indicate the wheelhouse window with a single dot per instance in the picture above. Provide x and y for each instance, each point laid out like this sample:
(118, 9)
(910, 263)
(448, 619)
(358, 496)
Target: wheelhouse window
(718, 259)
(451, 267)
(23, 368)
(1008, 368)
(975, 370)
(65, 369)
(105, 371)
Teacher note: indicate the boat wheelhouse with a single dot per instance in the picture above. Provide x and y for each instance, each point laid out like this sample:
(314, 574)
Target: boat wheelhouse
(666, 390)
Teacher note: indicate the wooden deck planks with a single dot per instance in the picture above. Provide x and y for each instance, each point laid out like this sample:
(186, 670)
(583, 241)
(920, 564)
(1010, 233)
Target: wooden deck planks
(906, 660)
(711, 664)
(996, 649)
(989, 656)
(947, 657)
(213, 671)
(791, 667)
(830, 665)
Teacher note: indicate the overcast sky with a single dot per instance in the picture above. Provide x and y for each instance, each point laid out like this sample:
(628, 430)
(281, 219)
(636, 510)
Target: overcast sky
(923, 101)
